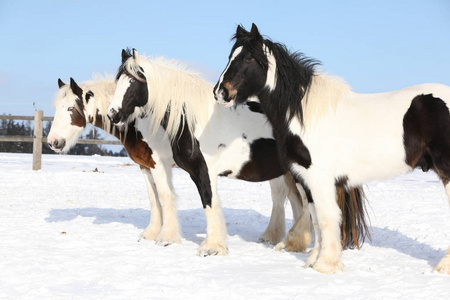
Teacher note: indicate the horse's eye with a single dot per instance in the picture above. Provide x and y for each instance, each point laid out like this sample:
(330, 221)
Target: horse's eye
(70, 108)
(132, 80)
(248, 59)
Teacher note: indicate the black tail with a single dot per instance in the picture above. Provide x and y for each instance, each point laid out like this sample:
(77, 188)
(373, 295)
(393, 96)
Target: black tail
(354, 229)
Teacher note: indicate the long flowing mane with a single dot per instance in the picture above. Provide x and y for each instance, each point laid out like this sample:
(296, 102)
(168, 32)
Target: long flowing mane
(316, 92)
(176, 95)
(103, 88)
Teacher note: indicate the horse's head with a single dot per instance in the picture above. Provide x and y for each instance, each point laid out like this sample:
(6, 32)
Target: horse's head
(131, 95)
(71, 117)
(251, 68)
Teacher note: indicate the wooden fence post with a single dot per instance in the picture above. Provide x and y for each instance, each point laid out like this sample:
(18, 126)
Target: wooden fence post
(37, 139)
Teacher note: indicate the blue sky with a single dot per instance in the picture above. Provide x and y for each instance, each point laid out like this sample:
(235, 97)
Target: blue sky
(376, 46)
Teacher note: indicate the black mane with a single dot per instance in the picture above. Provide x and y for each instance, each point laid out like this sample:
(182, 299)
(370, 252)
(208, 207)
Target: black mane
(294, 69)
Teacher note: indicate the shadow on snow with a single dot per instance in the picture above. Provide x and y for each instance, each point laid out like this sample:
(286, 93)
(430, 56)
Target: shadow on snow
(248, 224)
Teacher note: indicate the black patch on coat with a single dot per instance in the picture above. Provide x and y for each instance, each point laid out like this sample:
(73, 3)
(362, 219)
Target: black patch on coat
(135, 96)
(188, 156)
(296, 151)
(221, 146)
(226, 173)
(255, 107)
(426, 135)
(264, 163)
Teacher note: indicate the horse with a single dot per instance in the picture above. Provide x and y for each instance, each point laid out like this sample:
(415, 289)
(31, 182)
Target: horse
(166, 100)
(80, 105)
(329, 135)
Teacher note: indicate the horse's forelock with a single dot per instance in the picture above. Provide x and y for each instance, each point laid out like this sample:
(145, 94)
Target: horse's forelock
(132, 68)
(255, 47)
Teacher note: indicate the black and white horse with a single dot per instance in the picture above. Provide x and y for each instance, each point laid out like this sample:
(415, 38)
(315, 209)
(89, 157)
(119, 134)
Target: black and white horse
(175, 109)
(329, 135)
(78, 105)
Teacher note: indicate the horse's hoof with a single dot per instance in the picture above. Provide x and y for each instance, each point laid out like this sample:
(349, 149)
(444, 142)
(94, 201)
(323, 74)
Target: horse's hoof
(281, 246)
(164, 243)
(328, 268)
(271, 239)
(150, 234)
(220, 251)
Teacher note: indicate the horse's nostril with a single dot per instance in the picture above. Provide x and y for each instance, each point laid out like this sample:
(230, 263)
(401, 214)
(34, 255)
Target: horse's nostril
(223, 93)
(112, 114)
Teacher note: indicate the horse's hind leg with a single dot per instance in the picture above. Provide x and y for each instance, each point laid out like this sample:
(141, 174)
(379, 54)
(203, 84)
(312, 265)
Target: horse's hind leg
(441, 164)
(299, 236)
(444, 264)
(276, 229)
(154, 227)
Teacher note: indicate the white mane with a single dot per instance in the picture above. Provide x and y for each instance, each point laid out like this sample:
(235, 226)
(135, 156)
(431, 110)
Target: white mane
(322, 96)
(103, 88)
(173, 90)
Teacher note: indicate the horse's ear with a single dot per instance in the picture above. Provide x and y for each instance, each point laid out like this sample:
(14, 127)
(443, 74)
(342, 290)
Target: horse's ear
(254, 33)
(135, 53)
(75, 88)
(125, 55)
(240, 31)
(60, 83)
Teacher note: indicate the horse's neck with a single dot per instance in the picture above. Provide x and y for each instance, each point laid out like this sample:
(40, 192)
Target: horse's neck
(322, 97)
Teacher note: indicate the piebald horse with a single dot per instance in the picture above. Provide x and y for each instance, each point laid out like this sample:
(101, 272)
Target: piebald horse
(330, 136)
(169, 103)
(80, 105)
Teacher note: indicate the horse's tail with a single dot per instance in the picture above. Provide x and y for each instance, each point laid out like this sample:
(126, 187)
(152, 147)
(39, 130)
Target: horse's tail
(354, 230)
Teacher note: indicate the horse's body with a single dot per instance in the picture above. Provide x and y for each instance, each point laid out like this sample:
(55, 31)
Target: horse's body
(164, 98)
(78, 105)
(335, 135)
(372, 126)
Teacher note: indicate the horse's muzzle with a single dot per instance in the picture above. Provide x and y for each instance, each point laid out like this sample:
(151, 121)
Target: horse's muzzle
(57, 145)
(113, 116)
(223, 98)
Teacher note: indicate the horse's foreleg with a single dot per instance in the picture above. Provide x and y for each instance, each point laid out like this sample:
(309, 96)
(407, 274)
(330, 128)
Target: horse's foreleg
(276, 229)
(155, 224)
(328, 214)
(162, 175)
(216, 231)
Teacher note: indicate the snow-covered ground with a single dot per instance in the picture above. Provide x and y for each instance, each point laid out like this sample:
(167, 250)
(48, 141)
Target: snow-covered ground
(67, 232)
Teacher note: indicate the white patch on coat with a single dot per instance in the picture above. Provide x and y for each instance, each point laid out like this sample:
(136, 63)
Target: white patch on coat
(236, 52)
(271, 81)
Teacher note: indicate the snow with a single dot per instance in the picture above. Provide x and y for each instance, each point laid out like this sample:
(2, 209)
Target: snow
(69, 232)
